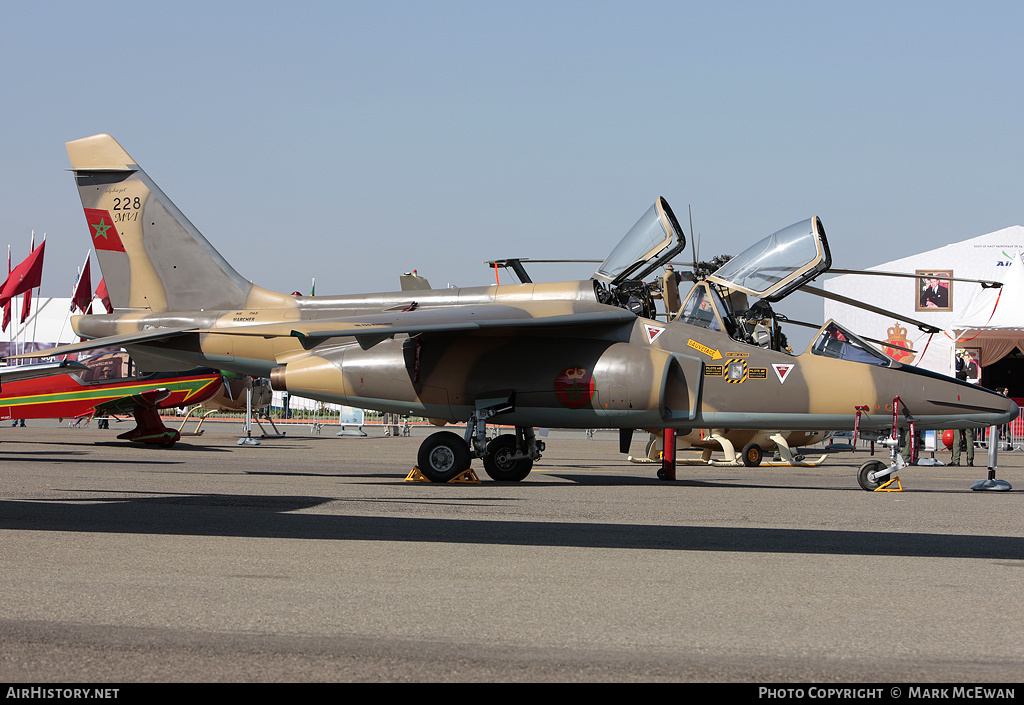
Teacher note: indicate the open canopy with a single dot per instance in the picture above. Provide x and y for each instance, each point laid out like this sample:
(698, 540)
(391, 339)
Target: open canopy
(654, 240)
(774, 267)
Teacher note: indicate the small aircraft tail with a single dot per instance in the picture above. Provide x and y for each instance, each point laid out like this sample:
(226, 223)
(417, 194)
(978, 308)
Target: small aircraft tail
(152, 257)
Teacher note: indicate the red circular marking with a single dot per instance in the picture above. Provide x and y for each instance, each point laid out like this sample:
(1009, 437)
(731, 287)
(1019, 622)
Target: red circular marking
(575, 387)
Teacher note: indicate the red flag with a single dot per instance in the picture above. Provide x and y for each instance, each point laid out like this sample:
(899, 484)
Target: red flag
(26, 276)
(82, 298)
(104, 234)
(26, 305)
(101, 294)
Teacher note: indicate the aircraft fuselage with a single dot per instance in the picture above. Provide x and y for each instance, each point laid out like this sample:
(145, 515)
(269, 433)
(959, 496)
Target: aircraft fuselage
(646, 374)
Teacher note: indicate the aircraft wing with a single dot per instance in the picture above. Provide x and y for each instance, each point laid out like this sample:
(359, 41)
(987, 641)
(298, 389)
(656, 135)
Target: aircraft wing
(14, 374)
(926, 327)
(372, 329)
(368, 330)
(126, 404)
(985, 283)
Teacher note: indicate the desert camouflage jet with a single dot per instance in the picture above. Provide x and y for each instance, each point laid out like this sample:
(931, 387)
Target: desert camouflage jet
(583, 354)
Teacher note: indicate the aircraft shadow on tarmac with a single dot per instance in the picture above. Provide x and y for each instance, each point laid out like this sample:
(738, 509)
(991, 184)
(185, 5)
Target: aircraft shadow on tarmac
(179, 447)
(570, 478)
(253, 516)
(578, 478)
(50, 457)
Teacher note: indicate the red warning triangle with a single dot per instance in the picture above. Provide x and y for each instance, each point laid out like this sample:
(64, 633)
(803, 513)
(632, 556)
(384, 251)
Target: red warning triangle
(653, 332)
(782, 371)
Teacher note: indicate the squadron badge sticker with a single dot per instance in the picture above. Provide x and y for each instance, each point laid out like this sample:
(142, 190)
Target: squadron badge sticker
(574, 387)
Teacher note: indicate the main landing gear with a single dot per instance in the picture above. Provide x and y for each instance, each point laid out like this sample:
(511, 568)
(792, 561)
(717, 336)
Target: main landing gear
(150, 429)
(444, 455)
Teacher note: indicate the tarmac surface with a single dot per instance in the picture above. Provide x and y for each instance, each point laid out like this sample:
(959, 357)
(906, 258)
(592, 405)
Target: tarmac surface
(310, 558)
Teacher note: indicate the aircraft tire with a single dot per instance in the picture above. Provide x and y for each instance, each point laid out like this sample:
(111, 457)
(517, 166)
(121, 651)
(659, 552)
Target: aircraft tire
(752, 455)
(649, 446)
(442, 456)
(862, 474)
(497, 462)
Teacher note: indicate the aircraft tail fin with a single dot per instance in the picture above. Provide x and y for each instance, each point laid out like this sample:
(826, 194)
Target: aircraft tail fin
(152, 257)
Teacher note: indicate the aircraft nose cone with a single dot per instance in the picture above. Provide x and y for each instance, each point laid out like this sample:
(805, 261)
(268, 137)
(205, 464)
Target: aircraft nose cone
(1012, 411)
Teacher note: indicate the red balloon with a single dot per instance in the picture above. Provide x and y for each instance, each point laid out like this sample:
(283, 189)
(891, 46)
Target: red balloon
(947, 439)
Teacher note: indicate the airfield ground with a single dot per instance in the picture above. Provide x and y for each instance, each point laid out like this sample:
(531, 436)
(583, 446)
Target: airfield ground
(310, 558)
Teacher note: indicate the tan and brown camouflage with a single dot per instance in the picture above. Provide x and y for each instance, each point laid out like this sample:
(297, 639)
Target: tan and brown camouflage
(583, 354)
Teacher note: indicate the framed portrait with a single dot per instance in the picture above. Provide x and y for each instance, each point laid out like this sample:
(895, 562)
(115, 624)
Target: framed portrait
(968, 365)
(934, 292)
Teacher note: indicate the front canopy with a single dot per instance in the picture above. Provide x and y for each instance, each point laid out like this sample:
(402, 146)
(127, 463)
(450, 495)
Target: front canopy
(654, 240)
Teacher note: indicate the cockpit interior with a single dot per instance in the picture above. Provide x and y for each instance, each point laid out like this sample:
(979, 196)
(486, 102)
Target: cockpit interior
(766, 272)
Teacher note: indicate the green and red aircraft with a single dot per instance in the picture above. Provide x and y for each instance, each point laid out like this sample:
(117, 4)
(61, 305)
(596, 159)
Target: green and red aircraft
(110, 385)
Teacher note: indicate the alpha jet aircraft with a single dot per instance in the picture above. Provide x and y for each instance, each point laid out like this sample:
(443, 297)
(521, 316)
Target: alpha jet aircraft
(584, 354)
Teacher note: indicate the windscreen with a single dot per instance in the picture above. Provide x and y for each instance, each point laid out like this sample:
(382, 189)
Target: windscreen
(701, 308)
(835, 341)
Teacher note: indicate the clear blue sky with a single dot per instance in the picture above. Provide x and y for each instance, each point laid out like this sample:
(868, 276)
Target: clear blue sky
(353, 141)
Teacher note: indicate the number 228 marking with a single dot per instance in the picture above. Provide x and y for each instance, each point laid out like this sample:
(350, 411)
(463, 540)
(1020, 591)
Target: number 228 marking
(127, 203)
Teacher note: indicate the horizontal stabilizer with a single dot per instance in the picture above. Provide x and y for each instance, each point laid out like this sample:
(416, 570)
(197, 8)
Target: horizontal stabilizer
(20, 372)
(110, 341)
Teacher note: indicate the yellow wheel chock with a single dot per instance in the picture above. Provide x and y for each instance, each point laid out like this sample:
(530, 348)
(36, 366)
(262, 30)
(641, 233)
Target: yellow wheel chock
(886, 487)
(466, 477)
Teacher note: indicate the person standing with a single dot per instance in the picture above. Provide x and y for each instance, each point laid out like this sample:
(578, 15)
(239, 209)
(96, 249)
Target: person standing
(1005, 431)
(965, 436)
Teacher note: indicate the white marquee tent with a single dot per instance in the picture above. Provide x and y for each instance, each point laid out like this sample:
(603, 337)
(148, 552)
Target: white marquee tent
(48, 324)
(993, 321)
(965, 311)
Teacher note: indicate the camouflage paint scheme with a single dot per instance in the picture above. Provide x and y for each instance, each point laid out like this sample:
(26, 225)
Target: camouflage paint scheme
(563, 355)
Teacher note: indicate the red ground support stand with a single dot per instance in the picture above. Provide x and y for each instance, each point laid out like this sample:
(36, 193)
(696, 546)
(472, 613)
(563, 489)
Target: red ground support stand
(668, 457)
(856, 426)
